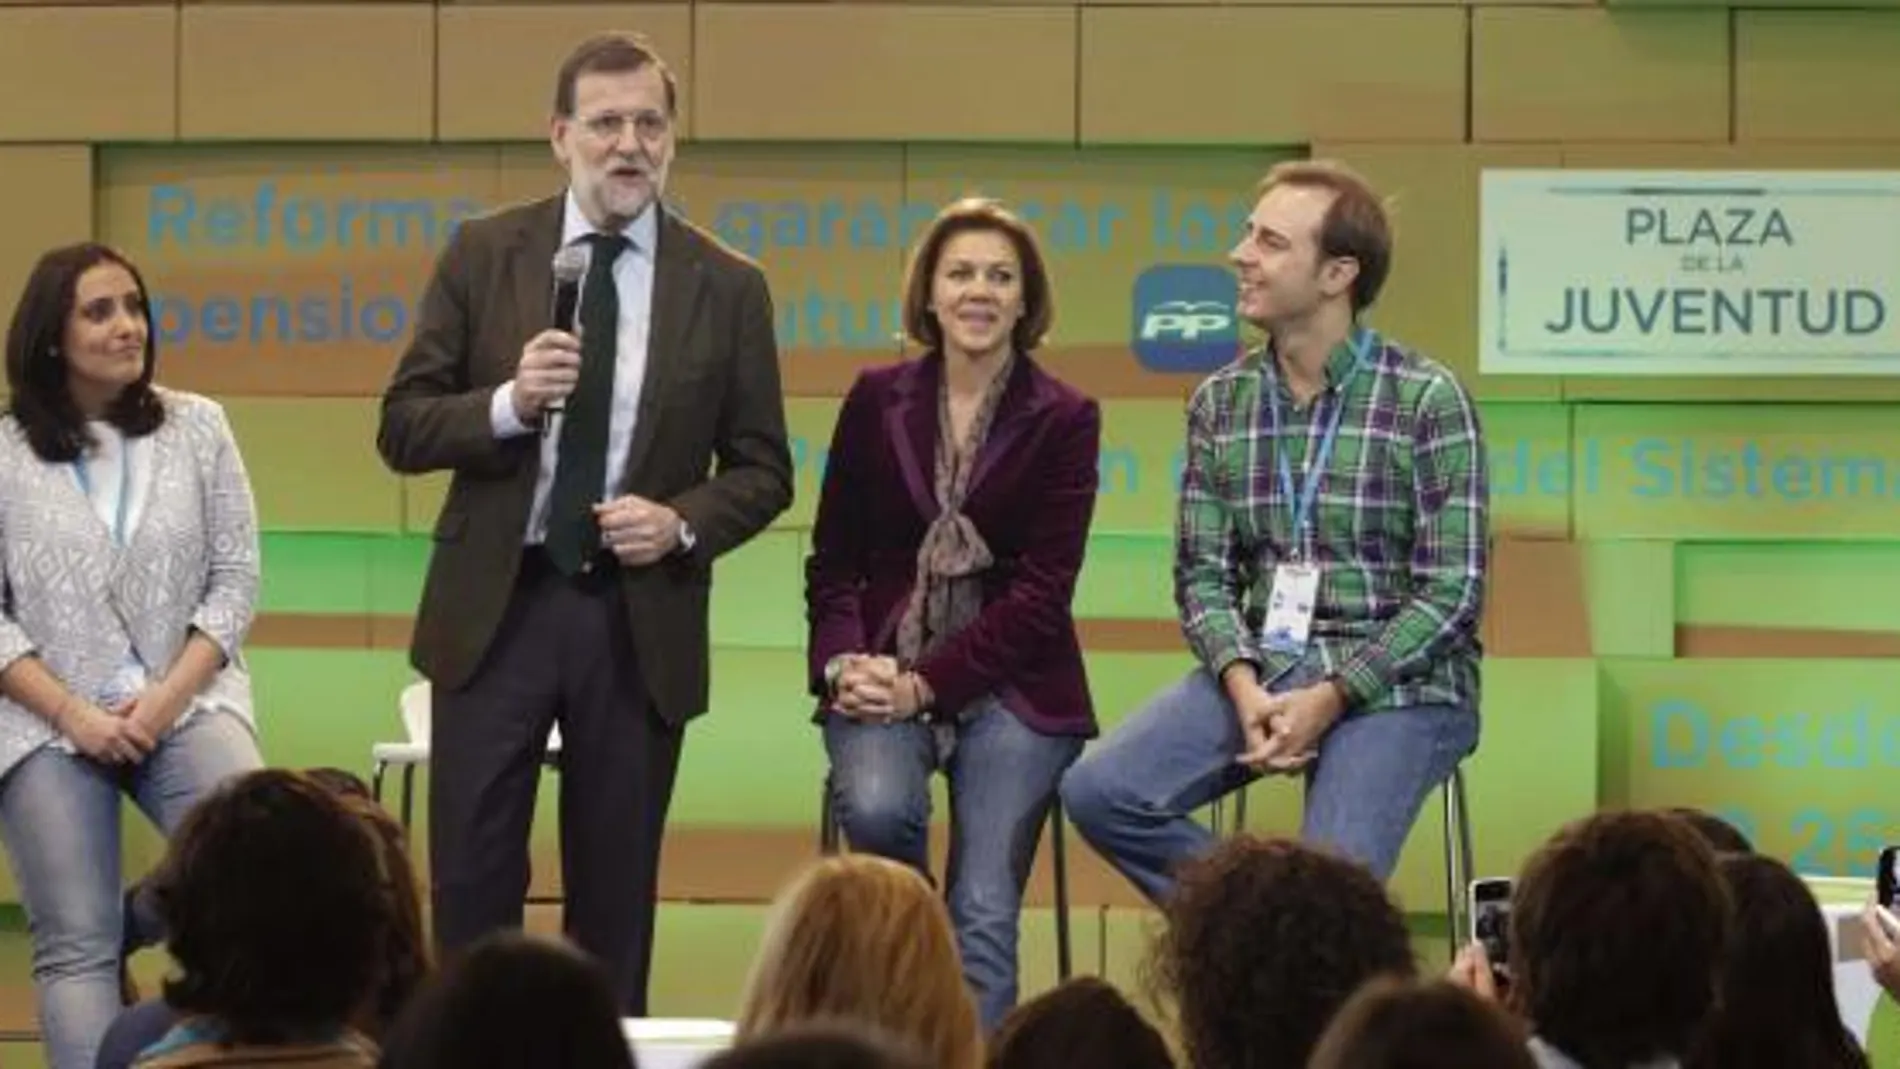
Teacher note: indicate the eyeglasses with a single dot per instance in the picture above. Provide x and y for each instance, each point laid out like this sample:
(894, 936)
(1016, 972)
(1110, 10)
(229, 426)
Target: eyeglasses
(607, 126)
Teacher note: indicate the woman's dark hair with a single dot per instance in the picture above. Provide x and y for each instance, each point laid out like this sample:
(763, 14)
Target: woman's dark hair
(1396, 1024)
(1722, 837)
(277, 909)
(822, 1044)
(513, 1000)
(1265, 940)
(37, 369)
(1618, 926)
(406, 959)
(1777, 1005)
(1083, 1021)
(979, 215)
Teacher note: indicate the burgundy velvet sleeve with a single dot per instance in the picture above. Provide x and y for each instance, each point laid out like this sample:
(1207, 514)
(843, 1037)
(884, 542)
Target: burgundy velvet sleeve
(835, 569)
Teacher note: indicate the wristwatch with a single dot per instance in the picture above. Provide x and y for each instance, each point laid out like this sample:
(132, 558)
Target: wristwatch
(833, 669)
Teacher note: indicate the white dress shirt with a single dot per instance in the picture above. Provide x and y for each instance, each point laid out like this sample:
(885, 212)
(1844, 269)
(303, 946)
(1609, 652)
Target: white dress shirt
(633, 278)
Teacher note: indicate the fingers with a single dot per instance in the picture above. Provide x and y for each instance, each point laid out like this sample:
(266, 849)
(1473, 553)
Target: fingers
(1472, 970)
(1879, 938)
(138, 735)
(551, 346)
(881, 669)
(549, 369)
(636, 530)
(1257, 747)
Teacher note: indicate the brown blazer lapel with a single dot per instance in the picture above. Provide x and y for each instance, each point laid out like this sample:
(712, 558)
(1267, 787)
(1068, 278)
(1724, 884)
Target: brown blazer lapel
(678, 277)
(531, 260)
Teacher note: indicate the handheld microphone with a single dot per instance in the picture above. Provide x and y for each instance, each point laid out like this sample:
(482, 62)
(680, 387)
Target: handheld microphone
(570, 267)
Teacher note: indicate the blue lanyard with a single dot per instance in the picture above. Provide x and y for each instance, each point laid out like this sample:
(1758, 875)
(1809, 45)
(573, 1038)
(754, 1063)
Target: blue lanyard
(1303, 503)
(125, 487)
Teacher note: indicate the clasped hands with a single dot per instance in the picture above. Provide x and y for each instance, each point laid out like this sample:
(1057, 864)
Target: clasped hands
(875, 689)
(1281, 732)
(128, 732)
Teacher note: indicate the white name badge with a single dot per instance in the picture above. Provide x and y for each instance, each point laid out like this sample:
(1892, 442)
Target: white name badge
(1290, 608)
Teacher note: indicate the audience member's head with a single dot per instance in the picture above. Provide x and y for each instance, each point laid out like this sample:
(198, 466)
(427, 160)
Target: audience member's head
(340, 780)
(406, 960)
(1399, 1024)
(1265, 940)
(277, 908)
(1083, 1021)
(1777, 992)
(1618, 925)
(821, 1045)
(860, 938)
(1722, 837)
(513, 1000)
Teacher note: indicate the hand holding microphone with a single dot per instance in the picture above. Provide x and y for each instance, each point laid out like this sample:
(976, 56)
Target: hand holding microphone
(550, 364)
(549, 368)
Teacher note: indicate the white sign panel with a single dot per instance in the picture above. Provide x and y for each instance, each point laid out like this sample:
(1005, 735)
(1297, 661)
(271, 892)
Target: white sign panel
(1689, 273)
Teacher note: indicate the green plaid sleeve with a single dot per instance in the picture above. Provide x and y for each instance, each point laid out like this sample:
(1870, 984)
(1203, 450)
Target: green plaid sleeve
(1449, 554)
(1208, 576)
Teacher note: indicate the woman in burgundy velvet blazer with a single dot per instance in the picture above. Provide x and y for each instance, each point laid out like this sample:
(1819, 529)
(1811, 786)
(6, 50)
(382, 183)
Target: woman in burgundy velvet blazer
(955, 509)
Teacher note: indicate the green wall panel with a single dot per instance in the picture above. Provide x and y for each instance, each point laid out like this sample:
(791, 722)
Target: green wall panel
(313, 464)
(1790, 584)
(1627, 588)
(1718, 472)
(1800, 754)
(315, 573)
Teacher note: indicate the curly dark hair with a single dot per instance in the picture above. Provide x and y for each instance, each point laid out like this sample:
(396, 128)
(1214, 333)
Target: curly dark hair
(1618, 925)
(1265, 940)
(1778, 1004)
(277, 908)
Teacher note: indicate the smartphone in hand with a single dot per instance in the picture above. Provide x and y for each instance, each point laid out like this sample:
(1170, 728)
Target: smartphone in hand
(1488, 905)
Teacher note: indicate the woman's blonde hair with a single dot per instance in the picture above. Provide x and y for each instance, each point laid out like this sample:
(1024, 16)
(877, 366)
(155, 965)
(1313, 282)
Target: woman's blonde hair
(862, 938)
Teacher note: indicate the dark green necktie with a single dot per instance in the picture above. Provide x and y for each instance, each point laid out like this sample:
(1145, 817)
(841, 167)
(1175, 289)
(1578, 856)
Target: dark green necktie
(581, 466)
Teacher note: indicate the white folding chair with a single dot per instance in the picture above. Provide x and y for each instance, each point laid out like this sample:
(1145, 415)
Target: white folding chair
(416, 709)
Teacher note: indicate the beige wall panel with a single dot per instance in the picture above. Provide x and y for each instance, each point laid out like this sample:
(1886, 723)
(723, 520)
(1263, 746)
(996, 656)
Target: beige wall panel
(88, 74)
(1360, 74)
(359, 71)
(1431, 298)
(496, 65)
(529, 171)
(1803, 76)
(884, 72)
(1543, 74)
(1873, 155)
(48, 202)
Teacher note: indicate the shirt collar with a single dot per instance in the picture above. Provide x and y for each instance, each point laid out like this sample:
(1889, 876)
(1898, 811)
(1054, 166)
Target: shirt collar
(1340, 361)
(643, 231)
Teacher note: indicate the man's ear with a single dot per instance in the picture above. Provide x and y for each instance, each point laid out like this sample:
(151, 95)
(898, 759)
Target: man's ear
(1339, 274)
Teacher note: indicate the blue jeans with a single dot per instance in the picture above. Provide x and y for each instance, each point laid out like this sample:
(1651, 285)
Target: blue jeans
(1131, 796)
(1002, 778)
(59, 814)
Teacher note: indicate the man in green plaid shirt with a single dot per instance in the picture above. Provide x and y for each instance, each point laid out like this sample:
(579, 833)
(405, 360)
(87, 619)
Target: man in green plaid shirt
(1330, 562)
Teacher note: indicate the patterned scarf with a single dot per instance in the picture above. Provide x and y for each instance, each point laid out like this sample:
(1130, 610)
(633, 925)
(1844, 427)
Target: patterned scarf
(953, 556)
